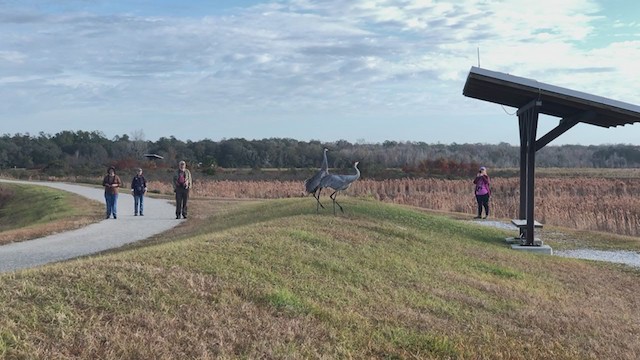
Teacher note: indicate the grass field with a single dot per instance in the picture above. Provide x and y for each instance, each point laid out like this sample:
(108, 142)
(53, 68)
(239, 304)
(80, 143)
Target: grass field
(28, 212)
(273, 279)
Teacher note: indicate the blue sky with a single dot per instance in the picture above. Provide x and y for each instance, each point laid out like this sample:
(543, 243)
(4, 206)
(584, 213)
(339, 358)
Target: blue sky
(359, 70)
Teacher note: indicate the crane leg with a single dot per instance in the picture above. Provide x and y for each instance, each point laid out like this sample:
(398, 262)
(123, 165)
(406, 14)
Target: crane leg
(317, 196)
(333, 197)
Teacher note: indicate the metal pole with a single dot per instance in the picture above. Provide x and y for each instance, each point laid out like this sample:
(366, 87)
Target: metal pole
(531, 165)
(528, 122)
(523, 166)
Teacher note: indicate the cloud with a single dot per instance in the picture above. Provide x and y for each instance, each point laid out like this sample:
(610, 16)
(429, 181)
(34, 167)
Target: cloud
(372, 58)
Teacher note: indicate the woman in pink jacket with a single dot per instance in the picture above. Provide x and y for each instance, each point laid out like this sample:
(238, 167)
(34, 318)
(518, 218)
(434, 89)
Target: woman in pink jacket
(483, 191)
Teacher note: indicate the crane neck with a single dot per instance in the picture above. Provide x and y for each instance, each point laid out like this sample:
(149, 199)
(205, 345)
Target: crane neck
(325, 163)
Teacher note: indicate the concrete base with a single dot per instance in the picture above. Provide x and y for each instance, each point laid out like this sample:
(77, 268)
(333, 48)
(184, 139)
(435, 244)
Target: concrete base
(512, 240)
(521, 241)
(544, 249)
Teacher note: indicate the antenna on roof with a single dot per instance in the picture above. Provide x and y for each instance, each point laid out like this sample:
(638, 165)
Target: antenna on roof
(478, 56)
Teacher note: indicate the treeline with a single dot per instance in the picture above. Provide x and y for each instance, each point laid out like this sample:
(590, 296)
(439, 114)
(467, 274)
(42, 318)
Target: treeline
(87, 151)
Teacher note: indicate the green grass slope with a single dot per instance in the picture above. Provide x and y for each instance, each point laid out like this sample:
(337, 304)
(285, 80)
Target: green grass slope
(277, 280)
(26, 205)
(30, 211)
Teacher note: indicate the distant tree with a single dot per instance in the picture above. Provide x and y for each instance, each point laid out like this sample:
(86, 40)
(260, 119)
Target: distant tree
(138, 144)
(44, 151)
(8, 149)
(89, 151)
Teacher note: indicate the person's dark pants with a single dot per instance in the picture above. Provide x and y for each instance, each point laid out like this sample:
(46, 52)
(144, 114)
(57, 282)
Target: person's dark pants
(182, 197)
(483, 202)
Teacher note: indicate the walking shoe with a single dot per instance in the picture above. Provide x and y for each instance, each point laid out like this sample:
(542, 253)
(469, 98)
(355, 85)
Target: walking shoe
(141, 214)
(477, 217)
(177, 216)
(485, 216)
(115, 217)
(184, 216)
(136, 214)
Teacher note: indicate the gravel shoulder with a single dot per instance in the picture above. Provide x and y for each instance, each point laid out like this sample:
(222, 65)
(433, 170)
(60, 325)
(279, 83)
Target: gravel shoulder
(107, 234)
(629, 258)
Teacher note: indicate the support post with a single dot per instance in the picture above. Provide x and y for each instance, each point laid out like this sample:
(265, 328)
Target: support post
(531, 166)
(528, 121)
(522, 211)
(564, 125)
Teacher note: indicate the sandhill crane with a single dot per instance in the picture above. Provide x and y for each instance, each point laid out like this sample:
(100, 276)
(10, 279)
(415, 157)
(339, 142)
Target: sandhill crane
(312, 184)
(339, 183)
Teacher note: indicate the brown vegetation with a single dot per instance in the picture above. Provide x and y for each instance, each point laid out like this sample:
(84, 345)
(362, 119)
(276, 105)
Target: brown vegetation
(42, 230)
(610, 205)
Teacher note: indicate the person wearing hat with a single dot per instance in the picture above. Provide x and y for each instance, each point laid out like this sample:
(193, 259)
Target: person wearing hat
(181, 186)
(139, 188)
(483, 191)
(111, 183)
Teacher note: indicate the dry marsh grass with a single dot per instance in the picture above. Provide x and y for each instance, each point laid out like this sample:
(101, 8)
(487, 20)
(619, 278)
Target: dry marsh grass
(586, 203)
(606, 200)
(273, 279)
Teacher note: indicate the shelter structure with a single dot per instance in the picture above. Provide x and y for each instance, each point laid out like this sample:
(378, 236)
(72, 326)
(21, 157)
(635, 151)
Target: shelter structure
(153, 156)
(532, 98)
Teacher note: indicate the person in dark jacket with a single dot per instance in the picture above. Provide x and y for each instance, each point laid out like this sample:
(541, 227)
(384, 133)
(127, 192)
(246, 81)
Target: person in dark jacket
(483, 191)
(111, 183)
(139, 188)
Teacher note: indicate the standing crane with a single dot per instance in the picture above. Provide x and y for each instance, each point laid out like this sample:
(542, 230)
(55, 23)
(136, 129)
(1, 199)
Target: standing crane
(312, 184)
(339, 183)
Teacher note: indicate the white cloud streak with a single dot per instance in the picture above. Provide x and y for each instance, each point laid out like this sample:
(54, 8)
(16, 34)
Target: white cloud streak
(296, 59)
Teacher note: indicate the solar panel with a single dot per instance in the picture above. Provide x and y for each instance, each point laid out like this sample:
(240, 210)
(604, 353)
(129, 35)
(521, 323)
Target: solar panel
(515, 91)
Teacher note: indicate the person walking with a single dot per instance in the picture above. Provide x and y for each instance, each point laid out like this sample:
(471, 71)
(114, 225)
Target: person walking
(483, 191)
(111, 183)
(139, 188)
(181, 186)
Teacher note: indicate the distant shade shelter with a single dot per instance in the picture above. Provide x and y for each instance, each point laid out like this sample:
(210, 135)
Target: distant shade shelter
(532, 98)
(153, 156)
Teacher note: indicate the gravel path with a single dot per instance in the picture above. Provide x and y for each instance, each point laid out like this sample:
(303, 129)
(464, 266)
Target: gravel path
(615, 256)
(619, 257)
(159, 216)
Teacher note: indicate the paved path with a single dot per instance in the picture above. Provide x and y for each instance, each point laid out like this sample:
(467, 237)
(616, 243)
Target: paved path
(159, 216)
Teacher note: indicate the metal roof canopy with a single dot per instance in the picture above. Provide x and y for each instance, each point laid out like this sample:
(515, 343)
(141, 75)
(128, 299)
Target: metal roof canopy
(532, 98)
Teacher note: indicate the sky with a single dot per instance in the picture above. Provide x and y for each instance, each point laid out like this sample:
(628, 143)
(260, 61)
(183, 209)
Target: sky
(364, 71)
